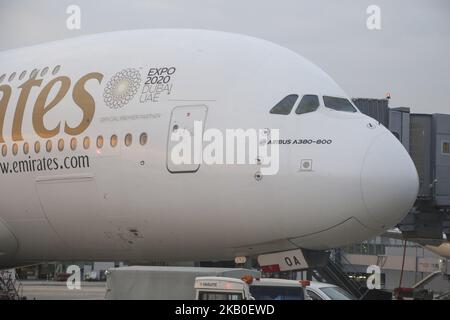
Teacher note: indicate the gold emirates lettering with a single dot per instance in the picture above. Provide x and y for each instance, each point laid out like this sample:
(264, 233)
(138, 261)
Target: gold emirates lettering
(82, 98)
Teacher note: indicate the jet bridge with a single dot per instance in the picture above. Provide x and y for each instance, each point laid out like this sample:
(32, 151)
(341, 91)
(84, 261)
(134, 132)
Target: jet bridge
(427, 139)
(430, 150)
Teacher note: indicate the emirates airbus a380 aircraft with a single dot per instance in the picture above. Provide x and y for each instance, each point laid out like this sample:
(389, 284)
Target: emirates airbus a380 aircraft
(86, 171)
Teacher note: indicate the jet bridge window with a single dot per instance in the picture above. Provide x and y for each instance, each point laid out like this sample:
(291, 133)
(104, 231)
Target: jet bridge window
(285, 105)
(338, 104)
(446, 147)
(309, 103)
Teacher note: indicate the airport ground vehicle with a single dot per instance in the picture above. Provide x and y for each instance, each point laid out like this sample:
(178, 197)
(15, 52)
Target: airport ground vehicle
(248, 288)
(222, 288)
(163, 283)
(281, 289)
(178, 283)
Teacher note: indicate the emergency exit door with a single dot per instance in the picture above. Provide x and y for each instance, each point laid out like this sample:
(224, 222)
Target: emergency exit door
(186, 122)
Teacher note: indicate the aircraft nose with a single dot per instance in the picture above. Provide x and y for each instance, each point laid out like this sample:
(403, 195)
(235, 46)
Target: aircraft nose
(389, 181)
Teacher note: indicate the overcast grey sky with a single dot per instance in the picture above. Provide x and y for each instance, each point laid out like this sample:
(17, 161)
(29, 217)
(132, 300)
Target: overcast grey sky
(409, 56)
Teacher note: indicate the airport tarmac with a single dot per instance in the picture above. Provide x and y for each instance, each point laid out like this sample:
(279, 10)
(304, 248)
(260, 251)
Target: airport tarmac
(57, 290)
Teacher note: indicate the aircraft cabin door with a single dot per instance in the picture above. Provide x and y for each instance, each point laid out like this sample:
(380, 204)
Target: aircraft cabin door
(185, 143)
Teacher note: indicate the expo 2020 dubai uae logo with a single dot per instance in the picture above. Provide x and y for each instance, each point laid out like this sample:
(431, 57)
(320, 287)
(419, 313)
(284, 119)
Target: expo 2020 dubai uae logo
(121, 88)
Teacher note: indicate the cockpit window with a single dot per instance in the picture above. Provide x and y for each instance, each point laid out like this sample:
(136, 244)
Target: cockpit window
(338, 104)
(309, 103)
(285, 105)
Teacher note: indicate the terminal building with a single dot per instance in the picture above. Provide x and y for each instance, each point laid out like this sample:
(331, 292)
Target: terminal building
(387, 253)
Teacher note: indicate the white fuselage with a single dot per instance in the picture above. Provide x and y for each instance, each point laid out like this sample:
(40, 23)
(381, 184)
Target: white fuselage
(132, 203)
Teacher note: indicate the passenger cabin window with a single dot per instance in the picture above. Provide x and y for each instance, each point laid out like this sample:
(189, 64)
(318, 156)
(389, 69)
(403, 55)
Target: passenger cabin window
(56, 70)
(61, 145)
(113, 141)
(26, 148)
(309, 103)
(44, 71)
(143, 139)
(100, 142)
(128, 139)
(73, 144)
(48, 146)
(285, 105)
(86, 143)
(338, 104)
(34, 73)
(11, 77)
(37, 147)
(22, 75)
